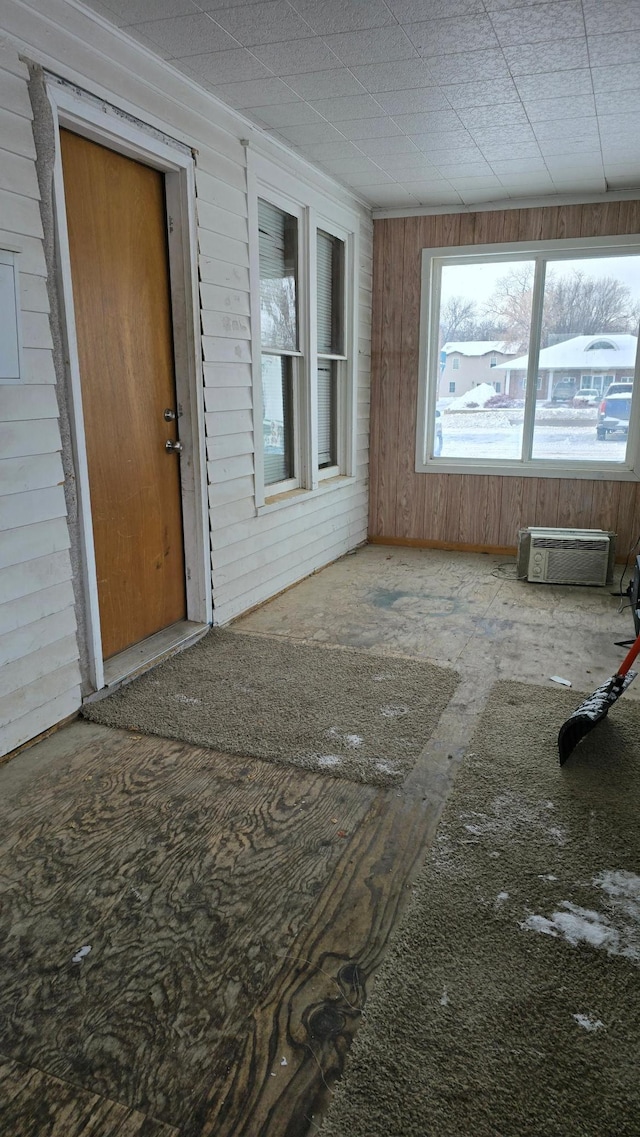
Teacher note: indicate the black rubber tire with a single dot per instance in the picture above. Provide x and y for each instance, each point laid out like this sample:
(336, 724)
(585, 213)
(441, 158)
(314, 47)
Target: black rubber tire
(601, 435)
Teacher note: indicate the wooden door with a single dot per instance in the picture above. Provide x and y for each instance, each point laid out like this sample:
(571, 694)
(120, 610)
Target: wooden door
(117, 240)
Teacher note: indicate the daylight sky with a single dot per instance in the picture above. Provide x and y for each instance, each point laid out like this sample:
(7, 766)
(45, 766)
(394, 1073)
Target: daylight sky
(477, 282)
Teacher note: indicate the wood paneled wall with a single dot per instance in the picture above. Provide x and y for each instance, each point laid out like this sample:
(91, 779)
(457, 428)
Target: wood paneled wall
(469, 509)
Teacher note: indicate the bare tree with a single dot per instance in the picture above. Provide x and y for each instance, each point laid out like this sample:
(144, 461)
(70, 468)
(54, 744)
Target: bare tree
(457, 319)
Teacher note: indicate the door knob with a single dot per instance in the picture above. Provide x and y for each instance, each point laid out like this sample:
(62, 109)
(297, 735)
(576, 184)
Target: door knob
(169, 415)
(170, 446)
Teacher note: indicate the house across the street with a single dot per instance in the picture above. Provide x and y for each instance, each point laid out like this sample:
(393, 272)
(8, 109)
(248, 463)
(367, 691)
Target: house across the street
(467, 363)
(582, 363)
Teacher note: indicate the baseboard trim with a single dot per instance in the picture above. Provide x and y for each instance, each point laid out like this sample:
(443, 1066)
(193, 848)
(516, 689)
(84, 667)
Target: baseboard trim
(448, 546)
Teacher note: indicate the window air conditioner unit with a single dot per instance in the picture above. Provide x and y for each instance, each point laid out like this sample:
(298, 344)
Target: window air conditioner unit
(565, 556)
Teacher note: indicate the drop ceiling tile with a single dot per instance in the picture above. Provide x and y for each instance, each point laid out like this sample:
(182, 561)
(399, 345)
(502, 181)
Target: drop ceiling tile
(141, 38)
(573, 130)
(217, 5)
(603, 17)
(480, 118)
(496, 151)
(541, 58)
(405, 166)
(481, 93)
(534, 23)
(376, 177)
(610, 102)
(135, 11)
(350, 166)
(623, 78)
(431, 186)
(469, 66)
(451, 36)
(503, 5)
(187, 35)
(359, 128)
(332, 16)
(551, 147)
(481, 182)
(475, 197)
(587, 162)
(507, 168)
(322, 150)
(255, 93)
(625, 181)
(540, 179)
(581, 185)
(554, 84)
(579, 106)
(458, 170)
(285, 114)
(377, 45)
(448, 156)
(309, 55)
(223, 66)
(311, 132)
(271, 22)
(446, 197)
(392, 197)
(399, 76)
(412, 11)
(622, 125)
(373, 147)
(325, 84)
(407, 102)
(504, 135)
(436, 122)
(346, 107)
(612, 50)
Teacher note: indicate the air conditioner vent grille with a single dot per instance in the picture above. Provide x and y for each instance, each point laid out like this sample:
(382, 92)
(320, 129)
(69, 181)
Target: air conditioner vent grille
(570, 543)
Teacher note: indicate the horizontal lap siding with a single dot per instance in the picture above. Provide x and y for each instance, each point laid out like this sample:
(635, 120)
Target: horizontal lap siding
(469, 509)
(252, 557)
(39, 673)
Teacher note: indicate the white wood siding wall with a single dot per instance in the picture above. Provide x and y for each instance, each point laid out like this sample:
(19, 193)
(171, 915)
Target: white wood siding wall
(39, 673)
(253, 557)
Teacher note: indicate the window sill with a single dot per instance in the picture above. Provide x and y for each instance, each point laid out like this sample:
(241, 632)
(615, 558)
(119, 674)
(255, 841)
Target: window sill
(292, 497)
(611, 472)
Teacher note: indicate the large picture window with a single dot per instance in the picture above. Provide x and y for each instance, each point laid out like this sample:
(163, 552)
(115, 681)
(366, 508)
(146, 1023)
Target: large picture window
(544, 342)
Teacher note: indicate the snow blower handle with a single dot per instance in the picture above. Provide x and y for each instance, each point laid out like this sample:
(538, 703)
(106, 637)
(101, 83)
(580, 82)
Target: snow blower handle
(629, 658)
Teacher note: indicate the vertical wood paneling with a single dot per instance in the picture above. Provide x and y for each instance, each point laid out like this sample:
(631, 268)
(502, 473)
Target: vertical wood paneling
(472, 509)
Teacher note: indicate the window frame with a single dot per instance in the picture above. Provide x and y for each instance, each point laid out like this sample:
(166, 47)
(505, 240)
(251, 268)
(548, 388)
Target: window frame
(10, 259)
(541, 252)
(315, 211)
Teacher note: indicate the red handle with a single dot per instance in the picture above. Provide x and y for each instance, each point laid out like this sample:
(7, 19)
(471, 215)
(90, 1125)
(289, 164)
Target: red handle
(630, 657)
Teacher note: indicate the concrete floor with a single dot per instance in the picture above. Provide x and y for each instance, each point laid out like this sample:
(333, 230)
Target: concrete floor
(464, 611)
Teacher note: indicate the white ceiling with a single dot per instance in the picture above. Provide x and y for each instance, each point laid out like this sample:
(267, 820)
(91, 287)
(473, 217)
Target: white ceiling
(421, 102)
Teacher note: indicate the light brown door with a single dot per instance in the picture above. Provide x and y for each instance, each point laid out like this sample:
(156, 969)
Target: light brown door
(117, 241)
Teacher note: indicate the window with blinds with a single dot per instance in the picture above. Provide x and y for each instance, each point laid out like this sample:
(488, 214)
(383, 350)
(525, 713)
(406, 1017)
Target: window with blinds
(278, 260)
(330, 322)
(278, 252)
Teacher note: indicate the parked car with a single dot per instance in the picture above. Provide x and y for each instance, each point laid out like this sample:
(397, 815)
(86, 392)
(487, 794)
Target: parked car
(613, 414)
(588, 396)
(564, 391)
(437, 437)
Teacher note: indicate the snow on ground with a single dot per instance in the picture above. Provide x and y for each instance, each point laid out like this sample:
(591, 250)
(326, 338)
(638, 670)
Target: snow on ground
(476, 397)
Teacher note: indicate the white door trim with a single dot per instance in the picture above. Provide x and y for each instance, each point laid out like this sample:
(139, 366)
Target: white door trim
(86, 115)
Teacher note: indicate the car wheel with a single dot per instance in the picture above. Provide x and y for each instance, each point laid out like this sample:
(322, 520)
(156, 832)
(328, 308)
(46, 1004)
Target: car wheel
(601, 435)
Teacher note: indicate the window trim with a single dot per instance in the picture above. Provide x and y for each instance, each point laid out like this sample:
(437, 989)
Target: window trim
(555, 250)
(271, 182)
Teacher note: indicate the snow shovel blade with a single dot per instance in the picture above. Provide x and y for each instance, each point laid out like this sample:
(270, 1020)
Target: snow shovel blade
(592, 711)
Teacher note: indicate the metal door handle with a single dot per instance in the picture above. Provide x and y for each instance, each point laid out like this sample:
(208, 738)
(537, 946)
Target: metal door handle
(176, 447)
(169, 415)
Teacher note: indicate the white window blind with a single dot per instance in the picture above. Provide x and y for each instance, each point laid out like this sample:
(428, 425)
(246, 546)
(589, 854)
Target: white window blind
(327, 412)
(277, 421)
(277, 235)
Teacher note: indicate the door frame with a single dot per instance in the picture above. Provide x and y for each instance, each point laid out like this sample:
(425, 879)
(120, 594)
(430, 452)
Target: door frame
(101, 122)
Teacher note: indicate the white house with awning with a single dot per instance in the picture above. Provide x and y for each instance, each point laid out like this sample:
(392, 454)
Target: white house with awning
(588, 362)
